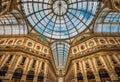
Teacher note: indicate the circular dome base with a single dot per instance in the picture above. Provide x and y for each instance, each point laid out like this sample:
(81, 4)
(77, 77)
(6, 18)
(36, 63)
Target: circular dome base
(59, 19)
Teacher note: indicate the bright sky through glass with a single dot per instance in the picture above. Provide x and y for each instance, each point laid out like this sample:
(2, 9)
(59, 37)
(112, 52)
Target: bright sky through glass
(110, 23)
(60, 52)
(9, 24)
(59, 19)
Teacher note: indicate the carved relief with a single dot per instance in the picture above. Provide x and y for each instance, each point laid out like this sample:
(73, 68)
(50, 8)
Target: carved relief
(117, 4)
(4, 6)
(112, 4)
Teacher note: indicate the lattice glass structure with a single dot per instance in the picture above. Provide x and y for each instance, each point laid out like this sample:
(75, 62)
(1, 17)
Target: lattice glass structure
(12, 23)
(60, 52)
(59, 19)
(108, 22)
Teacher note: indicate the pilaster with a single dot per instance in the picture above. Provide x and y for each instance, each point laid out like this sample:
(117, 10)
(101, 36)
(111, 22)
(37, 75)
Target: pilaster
(84, 71)
(94, 68)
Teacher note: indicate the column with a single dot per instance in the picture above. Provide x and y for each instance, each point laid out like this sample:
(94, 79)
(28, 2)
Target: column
(45, 72)
(27, 65)
(95, 71)
(12, 67)
(116, 58)
(75, 70)
(3, 60)
(38, 68)
(82, 64)
(114, 76)
(109, 68)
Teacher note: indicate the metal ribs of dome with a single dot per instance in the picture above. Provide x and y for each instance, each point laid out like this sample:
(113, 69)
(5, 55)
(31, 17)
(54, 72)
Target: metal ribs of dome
(59, 19)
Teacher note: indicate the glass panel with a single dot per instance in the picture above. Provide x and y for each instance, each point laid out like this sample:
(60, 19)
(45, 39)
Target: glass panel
(60, 53)
(59, 19)
(108, 22)
(9, 24)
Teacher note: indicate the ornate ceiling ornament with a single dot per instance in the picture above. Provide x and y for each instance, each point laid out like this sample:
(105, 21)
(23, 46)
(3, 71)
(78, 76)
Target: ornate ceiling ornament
(4, 6)
(112, 4)
(116, 4)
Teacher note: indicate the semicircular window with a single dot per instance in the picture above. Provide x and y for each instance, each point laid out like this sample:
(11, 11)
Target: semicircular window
(12, 23)
(108, 22)
(59, 19)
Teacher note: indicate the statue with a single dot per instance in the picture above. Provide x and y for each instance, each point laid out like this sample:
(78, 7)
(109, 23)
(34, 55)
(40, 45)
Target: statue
(4, 6)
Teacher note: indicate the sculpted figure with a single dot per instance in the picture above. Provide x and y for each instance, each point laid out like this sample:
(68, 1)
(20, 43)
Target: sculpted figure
(4, 6)
(116, 4)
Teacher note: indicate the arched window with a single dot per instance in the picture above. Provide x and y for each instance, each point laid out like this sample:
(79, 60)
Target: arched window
(3, 70)
(12, 23)
(107, 22)
(104, 75)
(90, 75)
(41, 76)
(30, 75)
(79, 76)
(18, 73)
(117, 70)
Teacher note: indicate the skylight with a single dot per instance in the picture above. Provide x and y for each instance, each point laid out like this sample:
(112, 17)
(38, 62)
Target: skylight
(60, 52)
(12, 23)
(59, 19)
(108, 22)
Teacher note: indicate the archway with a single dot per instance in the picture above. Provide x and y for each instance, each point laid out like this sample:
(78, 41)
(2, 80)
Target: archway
(117, 70)
(17, 75)
(40, 77)
(80, 77)
(90, 76)
(3, 70)
(104, 76)
(30, 76)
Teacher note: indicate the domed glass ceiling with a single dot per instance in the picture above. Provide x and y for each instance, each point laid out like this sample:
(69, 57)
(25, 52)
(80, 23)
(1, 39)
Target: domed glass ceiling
(59, 19)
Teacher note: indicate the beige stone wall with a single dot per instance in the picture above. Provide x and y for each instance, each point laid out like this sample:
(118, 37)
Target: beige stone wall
(37, 59)
(107, 63)
(91, 55)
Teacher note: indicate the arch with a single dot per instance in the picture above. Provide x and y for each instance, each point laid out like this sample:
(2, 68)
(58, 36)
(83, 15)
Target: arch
(79, 77)
(3, 70)
(18, 73)
(104, 76)
(90, 76)
(117, 70)
(12, 23)
(107, 22)
(40, 77)
(60, 51)
(30, 75)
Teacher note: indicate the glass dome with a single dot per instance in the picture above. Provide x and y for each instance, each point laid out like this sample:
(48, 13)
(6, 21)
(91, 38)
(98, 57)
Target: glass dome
(59, 19)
